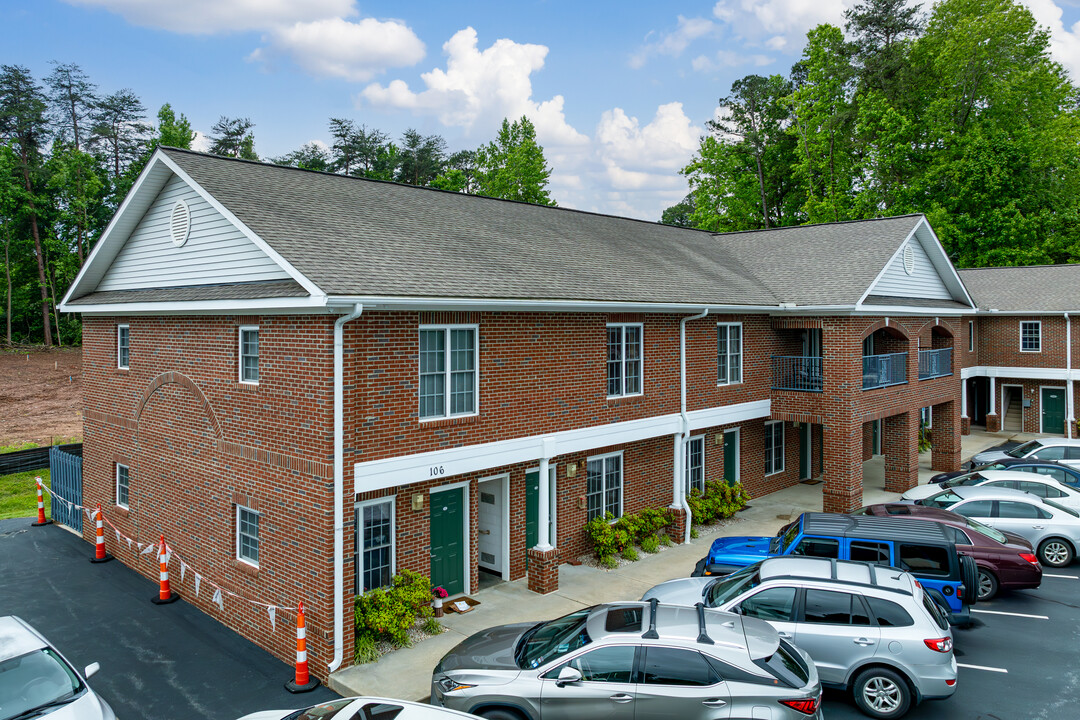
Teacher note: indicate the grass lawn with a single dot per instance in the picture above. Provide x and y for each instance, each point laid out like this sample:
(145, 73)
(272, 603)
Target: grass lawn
(18, 496)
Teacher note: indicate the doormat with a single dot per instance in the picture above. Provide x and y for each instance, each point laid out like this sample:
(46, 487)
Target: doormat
(461, 605)
(810, 482)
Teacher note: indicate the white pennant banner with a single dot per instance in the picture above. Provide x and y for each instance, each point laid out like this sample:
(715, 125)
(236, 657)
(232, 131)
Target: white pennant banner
(183, 570)
(218, 599)
(146, 550)
(168, 554)
(117, 537)
(198, 581)
(129, 543)
(272, 611)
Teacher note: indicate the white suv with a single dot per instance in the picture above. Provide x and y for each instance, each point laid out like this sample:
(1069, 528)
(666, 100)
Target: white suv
(1062, 450)
(869, 628)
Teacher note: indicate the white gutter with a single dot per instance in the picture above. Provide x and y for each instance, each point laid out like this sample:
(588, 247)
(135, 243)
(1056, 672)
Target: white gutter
(1069, 409)
(680, 471)
(394, 302)
(339, 483)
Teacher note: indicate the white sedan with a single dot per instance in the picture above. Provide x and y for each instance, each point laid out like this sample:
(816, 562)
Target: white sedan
(363, 708)
(1042, 485)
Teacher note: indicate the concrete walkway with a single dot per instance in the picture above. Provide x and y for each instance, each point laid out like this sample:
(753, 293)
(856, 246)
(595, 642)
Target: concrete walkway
(406, 673)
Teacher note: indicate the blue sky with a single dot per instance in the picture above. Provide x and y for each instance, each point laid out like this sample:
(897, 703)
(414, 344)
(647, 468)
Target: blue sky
(619, 91)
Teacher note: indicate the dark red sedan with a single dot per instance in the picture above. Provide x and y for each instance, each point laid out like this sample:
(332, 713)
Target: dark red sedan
(1006, 561)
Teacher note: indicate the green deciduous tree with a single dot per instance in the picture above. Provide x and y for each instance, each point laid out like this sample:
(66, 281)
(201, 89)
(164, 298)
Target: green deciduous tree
(513, 166)
(421, 158)
(174, 131)
(232, 137)
(310, 156)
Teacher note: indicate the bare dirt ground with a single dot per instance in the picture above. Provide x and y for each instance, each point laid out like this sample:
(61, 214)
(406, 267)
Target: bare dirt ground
(40, 396)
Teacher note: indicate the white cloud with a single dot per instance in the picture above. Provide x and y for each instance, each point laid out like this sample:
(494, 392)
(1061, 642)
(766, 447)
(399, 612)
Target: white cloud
(665, 143)
(675, 42)
(335, 47)
(1064, 43)
(212, 16)
(726, 59)
(778, 23)
(201, 142)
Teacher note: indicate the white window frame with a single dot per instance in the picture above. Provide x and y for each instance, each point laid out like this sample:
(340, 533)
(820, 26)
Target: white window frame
(688, 481)
(603, 483)
(446, 371)
(258, 549)
(783, 440)
(120, 348)
(1038, 325)
(741, 354)
(359, 564)
(622, 360)
(127, 485)
(240, 352)
(971, 336)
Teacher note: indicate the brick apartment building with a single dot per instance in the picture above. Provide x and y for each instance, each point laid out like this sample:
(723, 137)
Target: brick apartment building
(308, 381)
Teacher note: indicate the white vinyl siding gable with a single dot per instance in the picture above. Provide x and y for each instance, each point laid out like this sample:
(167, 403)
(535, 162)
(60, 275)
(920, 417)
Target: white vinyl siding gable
(215, 252)
(923, 282)
(1031, 336)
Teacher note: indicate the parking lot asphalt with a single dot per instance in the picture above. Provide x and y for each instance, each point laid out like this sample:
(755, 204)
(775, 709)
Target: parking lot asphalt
(167, 662)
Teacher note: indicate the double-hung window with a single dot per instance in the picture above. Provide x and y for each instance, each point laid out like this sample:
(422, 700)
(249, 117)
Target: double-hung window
(603, 485)
(448, 371)
(374, 544)
(123, 480)
(728, 353)
(1031, 336)
(774, 447)
(247, 535)
(624, 363)
(249, 355)
(695, 464)
(123, 346)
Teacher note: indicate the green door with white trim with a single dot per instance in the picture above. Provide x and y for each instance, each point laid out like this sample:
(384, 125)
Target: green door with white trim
(1053, 410)
(731, 456)
(447, 531)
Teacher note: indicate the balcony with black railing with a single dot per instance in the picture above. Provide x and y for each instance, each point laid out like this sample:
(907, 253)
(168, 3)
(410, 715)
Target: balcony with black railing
(884, 370)
(799, 373)
(935, 363)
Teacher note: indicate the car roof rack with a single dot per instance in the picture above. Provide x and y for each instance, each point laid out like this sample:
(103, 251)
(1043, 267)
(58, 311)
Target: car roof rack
(651, 633)
(703, 636)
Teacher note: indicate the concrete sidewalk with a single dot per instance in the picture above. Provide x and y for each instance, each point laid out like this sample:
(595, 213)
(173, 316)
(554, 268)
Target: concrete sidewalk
(406, 673)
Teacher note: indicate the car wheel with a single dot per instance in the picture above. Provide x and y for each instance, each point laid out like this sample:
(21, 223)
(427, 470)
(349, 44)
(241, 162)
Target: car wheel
(882, 693)
(988, 585)
(499, 714)
(1055, 552)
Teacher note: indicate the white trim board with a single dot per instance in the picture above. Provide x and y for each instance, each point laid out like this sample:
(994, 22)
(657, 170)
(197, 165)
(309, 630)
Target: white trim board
(1020, 373)
(407, 469)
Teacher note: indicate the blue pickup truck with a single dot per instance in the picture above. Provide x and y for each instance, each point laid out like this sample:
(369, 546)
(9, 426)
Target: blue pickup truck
(924, 549)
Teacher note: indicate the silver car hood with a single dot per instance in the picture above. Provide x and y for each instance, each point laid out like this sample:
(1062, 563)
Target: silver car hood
(491, 649)
(87, 707)
(681, 591)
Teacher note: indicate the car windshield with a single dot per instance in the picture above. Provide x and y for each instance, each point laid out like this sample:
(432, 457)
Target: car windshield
(789, 537)
(986, 530)
(553, 639)
(941, 500)
(734, 584)
(972, 479)
(1062, 508)
(322, 711)
(1024, 449)
(35, 680)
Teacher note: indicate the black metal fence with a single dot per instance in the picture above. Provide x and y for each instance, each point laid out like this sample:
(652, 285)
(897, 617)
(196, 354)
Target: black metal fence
(32, 459)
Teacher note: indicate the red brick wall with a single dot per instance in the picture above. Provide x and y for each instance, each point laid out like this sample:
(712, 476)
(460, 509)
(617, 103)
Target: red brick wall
(998, 340)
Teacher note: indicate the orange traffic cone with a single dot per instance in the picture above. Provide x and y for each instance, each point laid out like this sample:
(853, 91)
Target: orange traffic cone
(303, 682)
(100, 555)
(40, 507)
(165, 594)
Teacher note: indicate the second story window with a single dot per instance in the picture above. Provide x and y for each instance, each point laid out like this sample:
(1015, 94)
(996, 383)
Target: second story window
(728, 353)
(247, 535)
(1031, 336)
(249, 355)
(448, 371)
(123, 346)
(623, 360)
(971, 336)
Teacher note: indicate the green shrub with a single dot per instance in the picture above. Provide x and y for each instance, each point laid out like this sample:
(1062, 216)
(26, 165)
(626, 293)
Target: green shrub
(650, 544)
(720, 500)
(693, 532)
(665, 540)
(432, 626)
(365, 649)
(611, 538)
(630, 554)
(609, 562)
(388, 613)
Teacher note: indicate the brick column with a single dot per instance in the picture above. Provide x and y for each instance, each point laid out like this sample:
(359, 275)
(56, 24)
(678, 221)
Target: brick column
(993, 423)
(677, 530)
(543, 570)
(946, 440)
(867, 441)
(900, 445)
(965, 426)
(843, 467)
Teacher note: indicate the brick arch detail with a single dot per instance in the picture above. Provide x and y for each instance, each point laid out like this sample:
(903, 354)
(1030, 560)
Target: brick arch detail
(880, 324)
(185, 382)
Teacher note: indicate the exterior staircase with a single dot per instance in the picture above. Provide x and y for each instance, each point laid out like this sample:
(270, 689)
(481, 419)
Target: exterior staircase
(1013, 421)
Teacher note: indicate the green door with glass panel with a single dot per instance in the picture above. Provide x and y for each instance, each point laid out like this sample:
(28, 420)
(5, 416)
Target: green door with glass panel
(1053, 410)
(447, 521)
(731, 456)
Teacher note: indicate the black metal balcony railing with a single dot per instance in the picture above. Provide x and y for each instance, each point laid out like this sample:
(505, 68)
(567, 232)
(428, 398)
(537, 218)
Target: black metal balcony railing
(880, 371)
(935, 363)
(796, 373)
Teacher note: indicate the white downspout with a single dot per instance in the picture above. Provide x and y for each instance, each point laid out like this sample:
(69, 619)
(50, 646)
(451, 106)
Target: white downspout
(1069, 405)
(680, 468)
(339, 484)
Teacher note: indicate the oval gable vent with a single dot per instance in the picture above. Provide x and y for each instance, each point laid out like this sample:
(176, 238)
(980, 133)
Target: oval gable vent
(909, 259)
(180, 223)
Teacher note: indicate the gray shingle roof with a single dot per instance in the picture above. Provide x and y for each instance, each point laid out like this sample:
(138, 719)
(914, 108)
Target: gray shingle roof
(1041, 288)
(352, 236)
(237, 291)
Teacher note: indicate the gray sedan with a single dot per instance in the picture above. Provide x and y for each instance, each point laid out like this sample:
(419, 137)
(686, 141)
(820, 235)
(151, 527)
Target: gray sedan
(1049, 526)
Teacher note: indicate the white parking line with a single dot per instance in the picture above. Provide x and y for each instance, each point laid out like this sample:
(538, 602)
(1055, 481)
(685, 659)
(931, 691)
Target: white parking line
(1023, 615)
(982, 667)
(1069, 577)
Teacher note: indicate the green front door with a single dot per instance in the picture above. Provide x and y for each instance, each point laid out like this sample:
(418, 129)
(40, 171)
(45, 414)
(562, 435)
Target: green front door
(731, 456)
(532, 512)
(1053, 410)
(448, 540)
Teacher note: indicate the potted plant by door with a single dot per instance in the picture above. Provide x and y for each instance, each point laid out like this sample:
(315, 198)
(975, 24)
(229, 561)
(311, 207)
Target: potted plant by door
(438, 594)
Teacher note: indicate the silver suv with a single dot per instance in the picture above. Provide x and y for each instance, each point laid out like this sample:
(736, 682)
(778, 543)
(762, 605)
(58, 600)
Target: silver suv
(630, 661)
(869, 628)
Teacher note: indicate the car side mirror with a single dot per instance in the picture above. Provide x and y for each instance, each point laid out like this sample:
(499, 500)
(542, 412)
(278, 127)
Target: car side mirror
(567, 676)
(91, 669)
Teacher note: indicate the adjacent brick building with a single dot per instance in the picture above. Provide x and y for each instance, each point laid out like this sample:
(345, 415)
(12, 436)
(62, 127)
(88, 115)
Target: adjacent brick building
(308, 381)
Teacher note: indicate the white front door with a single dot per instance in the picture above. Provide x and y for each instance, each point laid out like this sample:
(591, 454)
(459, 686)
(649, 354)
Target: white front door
(491, 521)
